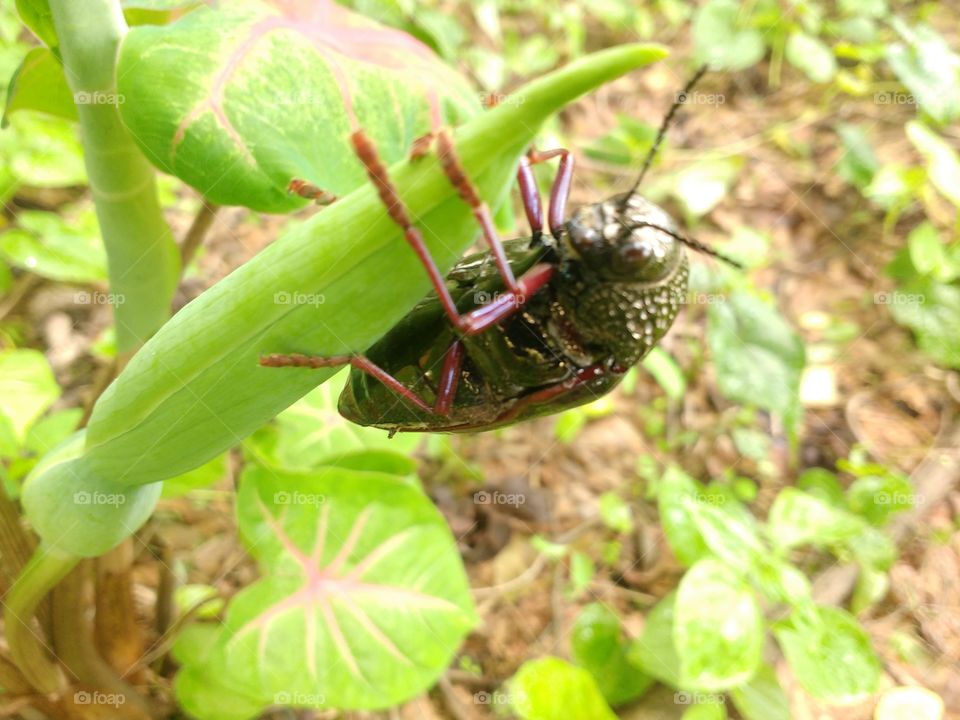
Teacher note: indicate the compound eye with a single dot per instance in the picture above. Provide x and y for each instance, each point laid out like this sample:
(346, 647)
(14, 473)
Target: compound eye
(637, 255)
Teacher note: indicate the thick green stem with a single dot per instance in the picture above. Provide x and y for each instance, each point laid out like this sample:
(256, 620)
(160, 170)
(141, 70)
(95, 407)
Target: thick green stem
(143, 258)
(29, 647)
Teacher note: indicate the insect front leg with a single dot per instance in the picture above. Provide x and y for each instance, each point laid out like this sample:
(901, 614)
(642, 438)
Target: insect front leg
(559, 192)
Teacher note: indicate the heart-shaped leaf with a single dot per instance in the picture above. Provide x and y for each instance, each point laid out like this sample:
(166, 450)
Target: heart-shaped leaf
(830, 654)
(39, 84)
(27, 388)
(66, 249)
(553, 689)
(239, 101)
(722, 40)
(758, 356)
(364, 601)
(718, 627)
(311, 433)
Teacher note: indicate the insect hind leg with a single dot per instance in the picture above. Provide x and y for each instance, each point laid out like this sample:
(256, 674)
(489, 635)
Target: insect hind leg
(446, 387)
(358, 362)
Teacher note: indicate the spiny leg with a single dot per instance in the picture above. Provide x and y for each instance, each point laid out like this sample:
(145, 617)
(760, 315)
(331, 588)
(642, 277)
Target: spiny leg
(481, 318)
(454, 170)
(507, 303)
(367, 153)
(311, 192)
(446, 387)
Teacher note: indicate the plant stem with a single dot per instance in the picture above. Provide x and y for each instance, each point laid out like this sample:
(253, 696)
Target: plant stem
(74, 640)
(29, 648)
(142, 256)
(194, 237)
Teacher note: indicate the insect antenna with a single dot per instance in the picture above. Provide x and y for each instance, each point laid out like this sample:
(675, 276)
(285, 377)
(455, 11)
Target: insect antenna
(662, 132)
(688, 241)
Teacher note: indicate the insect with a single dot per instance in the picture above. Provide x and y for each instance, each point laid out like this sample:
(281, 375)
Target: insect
(530, 326)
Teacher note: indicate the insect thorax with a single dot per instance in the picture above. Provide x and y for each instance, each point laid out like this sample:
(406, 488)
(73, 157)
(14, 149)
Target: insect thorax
(624, 278)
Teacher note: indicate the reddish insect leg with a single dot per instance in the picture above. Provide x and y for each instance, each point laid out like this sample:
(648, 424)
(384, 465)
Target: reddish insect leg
(367, 154)
(311, 192)
(505, 304)
(458, 178)
(481, 318)
(559, 192)
(530, 195)
(356, 361)
(449, 378)
(446, 387)
(581, 376)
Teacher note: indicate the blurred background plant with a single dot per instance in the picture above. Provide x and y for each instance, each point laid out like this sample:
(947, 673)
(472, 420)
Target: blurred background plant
(770, 473)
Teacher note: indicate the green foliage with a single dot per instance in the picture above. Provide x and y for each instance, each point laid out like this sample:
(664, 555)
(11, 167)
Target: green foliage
(927, 298)
(812, 56)
(598, 644)
(925, 64)
(357, 566)
(239, 138)
(551, 689)
(27, 389)
(718, 627)
(708, 636)
(829, 653)
(758, 357)
(214, 342)
(723, 39)
(64, 247)
(39, 84)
